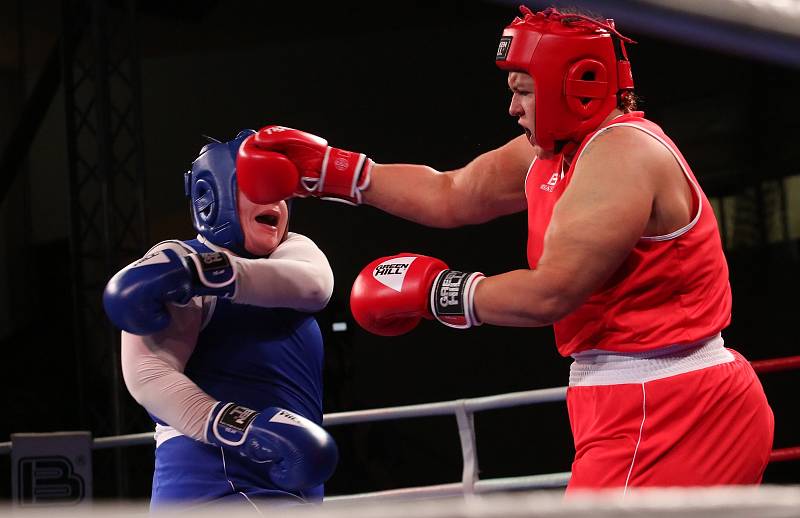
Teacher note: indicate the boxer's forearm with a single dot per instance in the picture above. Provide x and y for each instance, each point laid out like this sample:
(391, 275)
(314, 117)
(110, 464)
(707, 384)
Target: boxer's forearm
(489, 186)
(417, 193)
(152, 367)
(522, 298)
(297, 275)
(166, 393)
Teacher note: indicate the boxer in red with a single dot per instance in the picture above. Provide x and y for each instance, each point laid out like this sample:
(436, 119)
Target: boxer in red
(625, 259)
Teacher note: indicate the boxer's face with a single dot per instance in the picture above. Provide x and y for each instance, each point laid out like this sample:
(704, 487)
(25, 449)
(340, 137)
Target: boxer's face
(263, 225)
(523, 103)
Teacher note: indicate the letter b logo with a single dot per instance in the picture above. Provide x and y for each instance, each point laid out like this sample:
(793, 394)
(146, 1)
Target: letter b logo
(48, 480)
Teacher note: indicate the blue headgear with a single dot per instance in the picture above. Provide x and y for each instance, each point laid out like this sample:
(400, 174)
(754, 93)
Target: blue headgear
(211, 188)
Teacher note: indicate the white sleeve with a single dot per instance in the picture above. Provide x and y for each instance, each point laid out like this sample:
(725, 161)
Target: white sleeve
(152, 367)
(297, 275)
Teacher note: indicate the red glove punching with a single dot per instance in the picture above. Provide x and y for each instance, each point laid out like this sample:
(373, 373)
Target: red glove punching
(322, 170)
(264, 176)
(392, 294)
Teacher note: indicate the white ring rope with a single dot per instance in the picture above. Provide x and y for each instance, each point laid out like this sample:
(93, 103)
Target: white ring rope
(511, 399)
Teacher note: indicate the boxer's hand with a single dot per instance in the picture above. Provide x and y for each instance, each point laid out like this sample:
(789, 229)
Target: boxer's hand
(392, 294)
(300, 453)
(321, 170)
(136, 297)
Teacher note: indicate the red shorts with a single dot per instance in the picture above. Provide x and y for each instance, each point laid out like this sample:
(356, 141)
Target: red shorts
(711, 426)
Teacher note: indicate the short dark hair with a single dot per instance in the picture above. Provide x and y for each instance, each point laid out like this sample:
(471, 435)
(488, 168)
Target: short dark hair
(567, 11)
(628, 101)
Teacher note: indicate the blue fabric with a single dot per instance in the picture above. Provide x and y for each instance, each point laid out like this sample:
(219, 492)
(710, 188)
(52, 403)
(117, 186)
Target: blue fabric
(256, 357)
(188, 472)
(211, 188)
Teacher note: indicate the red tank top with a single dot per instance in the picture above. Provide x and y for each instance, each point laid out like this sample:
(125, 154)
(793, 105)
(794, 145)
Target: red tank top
(671, 289)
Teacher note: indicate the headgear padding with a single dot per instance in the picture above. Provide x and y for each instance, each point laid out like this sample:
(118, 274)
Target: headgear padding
(211, 188)
(577, 71)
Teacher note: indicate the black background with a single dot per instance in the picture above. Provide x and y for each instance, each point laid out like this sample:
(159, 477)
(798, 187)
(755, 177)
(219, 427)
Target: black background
(412, 82)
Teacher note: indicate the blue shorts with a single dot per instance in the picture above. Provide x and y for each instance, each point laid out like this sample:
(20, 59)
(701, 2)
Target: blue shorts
(191, 472)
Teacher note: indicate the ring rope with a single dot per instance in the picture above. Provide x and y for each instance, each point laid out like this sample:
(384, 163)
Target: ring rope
(776, 364)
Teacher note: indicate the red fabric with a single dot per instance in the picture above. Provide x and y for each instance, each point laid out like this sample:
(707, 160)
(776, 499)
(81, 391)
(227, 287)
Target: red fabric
(666, 292)
(707, 427)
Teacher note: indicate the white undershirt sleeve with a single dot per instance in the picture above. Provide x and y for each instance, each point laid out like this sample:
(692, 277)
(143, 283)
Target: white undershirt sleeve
(152, 367)
(296, 275)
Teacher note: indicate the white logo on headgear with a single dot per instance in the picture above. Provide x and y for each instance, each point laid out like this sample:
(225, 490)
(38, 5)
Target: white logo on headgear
(392, 272)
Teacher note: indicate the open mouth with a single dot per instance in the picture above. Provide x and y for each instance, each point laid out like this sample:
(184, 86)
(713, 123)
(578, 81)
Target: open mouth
(267, 219)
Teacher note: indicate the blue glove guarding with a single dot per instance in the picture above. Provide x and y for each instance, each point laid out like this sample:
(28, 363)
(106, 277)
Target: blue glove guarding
(136, 298)
(301, 453)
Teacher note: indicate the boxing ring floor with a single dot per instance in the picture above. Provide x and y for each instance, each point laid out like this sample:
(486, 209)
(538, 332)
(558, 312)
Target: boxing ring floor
(533, 495)
(721, 502)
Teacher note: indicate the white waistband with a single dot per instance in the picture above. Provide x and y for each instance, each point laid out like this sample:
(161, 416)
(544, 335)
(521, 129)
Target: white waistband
(598, 367)
(164, 433)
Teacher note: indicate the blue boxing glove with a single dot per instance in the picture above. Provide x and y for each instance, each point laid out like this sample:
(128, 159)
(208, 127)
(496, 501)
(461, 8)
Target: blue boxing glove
(300, 453)
(136, 298)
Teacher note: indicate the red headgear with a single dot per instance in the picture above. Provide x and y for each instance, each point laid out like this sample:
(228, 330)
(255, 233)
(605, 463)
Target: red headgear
(578, 73)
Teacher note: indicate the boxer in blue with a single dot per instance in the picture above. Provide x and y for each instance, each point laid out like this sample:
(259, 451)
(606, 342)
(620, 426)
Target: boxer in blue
(219, 345)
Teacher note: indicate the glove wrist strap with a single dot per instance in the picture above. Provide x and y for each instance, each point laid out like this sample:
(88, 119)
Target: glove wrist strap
(227, 424)
(344, 175)
(213, 273)
(452, 298)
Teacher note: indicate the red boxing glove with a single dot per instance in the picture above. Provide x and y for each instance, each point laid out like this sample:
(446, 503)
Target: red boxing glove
(264, 176)
(323, 171)
(392, 294)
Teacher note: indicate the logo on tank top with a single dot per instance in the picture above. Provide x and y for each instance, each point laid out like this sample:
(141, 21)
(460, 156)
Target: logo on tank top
(392, 272)
(551, 183)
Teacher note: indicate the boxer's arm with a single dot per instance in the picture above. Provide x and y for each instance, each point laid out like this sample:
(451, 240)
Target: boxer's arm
(490, 186)
(152, 367)
(594, 227)
(297, 275)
